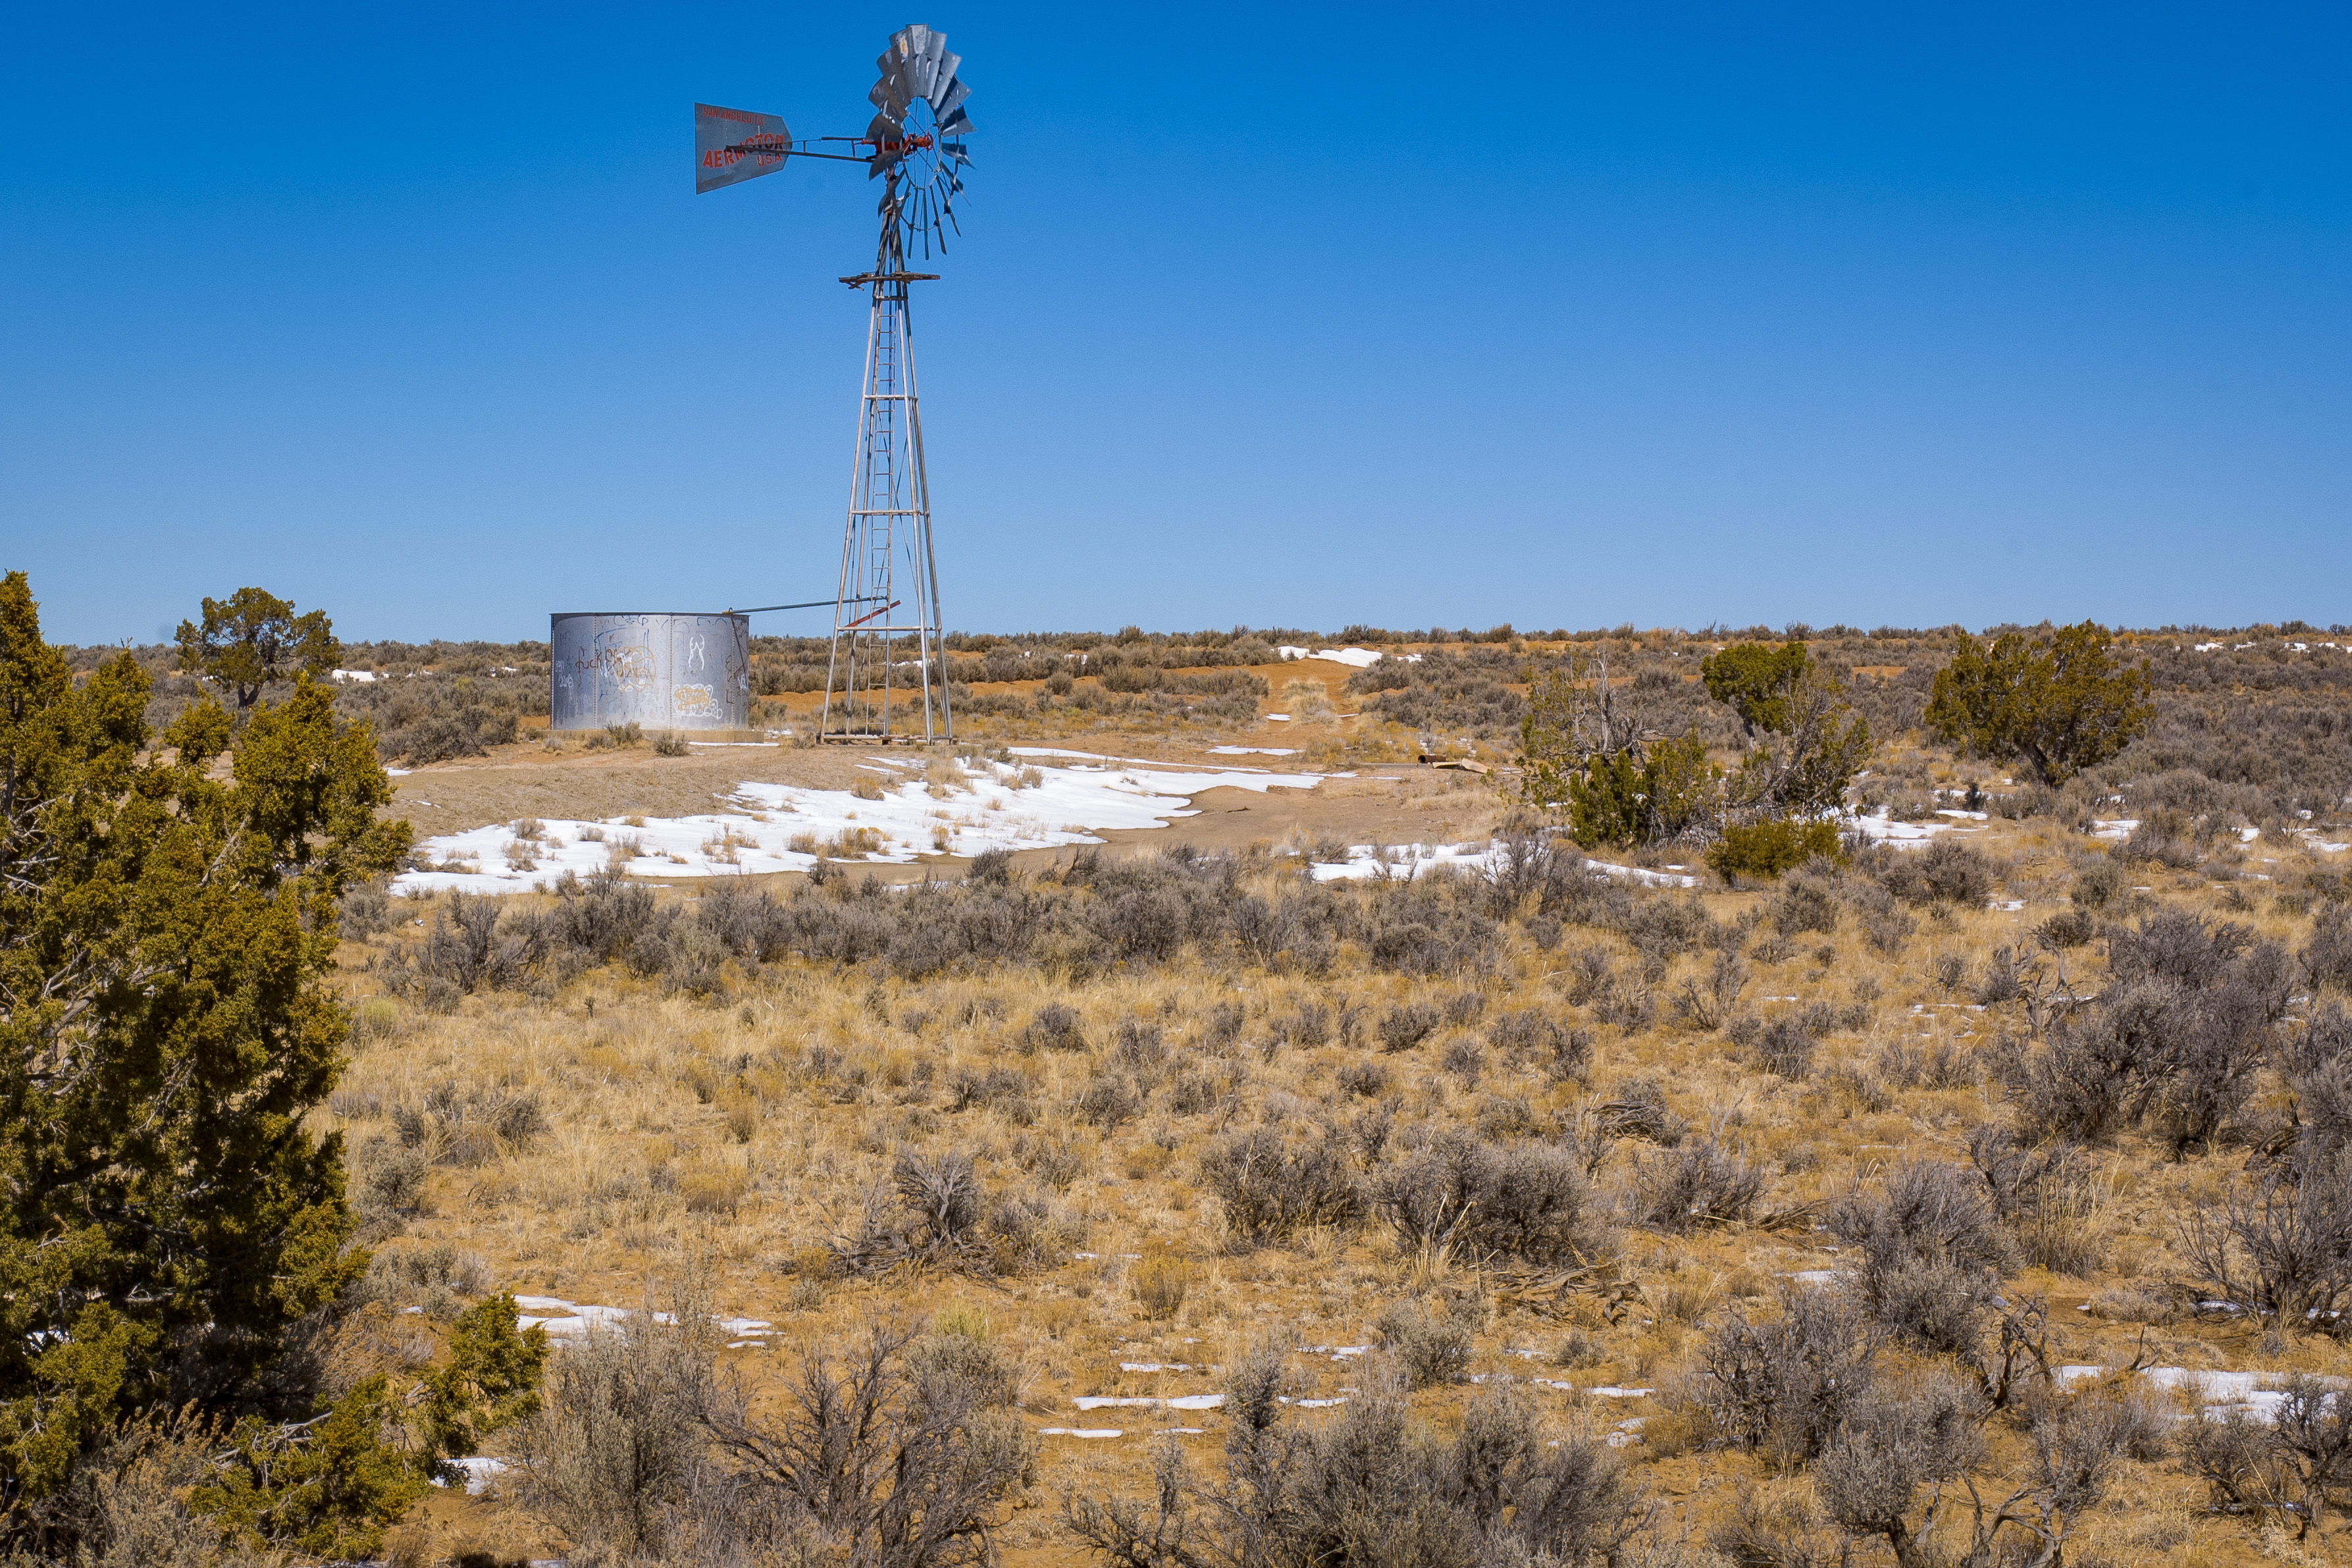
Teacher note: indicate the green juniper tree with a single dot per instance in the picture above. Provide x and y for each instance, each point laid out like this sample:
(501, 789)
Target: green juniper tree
(254, 637)
(1756, 680)
(1805, 744)
(2061, 702)
(166, 928)
(331, 1485)
(1620, 783)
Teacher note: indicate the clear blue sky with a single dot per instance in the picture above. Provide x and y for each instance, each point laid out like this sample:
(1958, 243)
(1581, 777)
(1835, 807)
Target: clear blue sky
(1409, 316)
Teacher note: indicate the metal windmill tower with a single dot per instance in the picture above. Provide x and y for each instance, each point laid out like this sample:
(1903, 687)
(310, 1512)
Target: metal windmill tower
(886, 628)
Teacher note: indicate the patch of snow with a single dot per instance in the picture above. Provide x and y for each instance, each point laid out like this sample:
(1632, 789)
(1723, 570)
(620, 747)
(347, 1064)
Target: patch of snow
(1970, 816)
(1253, 750)
(353, 677)
(2209, 647)
(1353, 658)
(1647, 878)
(1071, 805)
(565, 1321)
(1080, 1432)
(1531, 1382)
(1180, 1401)
(2117, 828)
(2217, 1394)
(480, 1472)
(1279, 718)
(1901, 834)
(1611, 1391)
(1403, 862)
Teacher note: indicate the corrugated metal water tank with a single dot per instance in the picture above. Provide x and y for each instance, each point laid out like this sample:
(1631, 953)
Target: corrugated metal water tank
(665, 672)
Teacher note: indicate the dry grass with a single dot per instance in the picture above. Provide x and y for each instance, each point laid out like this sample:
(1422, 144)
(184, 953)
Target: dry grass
(747, 1128)
(1160, 1282)
(1307, 700)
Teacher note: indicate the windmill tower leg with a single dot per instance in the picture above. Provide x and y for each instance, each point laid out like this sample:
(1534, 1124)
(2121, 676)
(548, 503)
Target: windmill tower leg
(887, 604)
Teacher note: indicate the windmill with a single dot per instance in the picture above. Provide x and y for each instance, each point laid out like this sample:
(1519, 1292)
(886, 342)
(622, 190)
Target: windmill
(888, 605)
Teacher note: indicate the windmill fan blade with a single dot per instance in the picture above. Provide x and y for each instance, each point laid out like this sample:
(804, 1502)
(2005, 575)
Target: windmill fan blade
(944, 80)
(955, 122)
(892, 93)
(949, 97)
(918, 74)
(930, 68)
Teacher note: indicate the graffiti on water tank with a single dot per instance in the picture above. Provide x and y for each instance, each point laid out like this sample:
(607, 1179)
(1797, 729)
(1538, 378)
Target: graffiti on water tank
(628, 666)
(693, 702)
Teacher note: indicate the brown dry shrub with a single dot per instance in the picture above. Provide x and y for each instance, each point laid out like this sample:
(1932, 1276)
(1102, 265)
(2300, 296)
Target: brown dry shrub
(1160, 1282)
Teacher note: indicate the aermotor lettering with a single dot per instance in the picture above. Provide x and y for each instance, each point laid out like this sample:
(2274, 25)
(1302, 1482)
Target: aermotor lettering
(759, 150)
